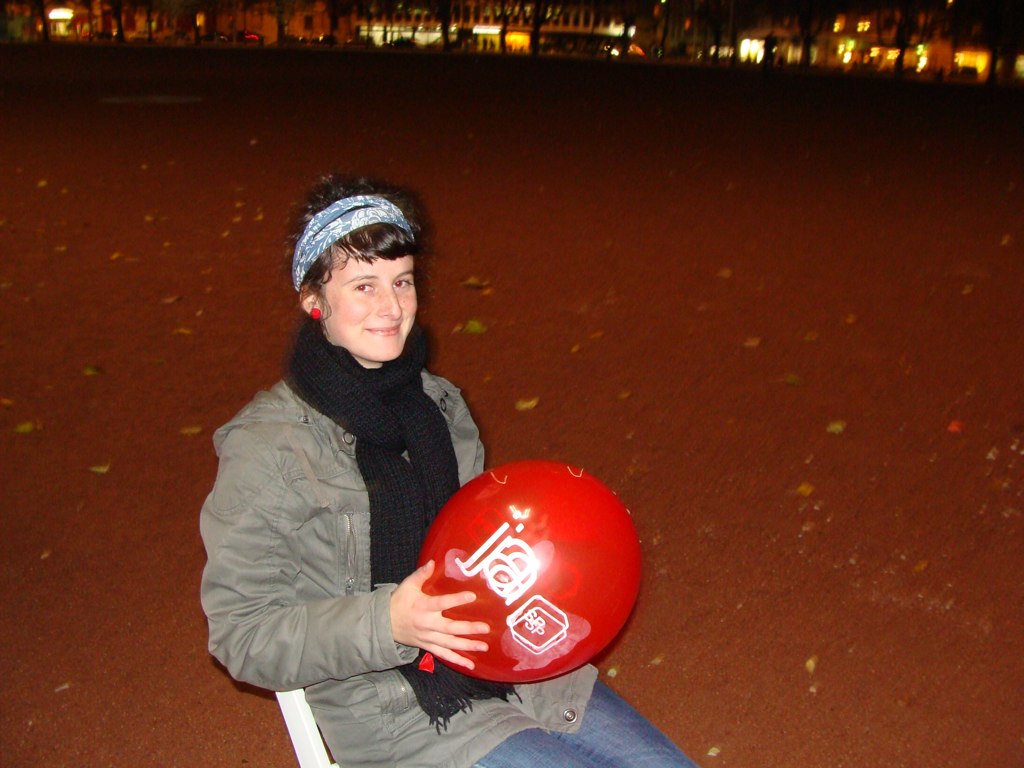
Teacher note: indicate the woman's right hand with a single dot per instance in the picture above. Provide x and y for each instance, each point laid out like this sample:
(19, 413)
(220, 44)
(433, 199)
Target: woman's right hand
(417, 619)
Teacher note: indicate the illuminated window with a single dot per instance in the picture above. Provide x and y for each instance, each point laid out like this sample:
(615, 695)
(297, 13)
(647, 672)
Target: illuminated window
(863, 26)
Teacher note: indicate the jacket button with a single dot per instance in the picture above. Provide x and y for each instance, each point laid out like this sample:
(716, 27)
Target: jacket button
(569, 715)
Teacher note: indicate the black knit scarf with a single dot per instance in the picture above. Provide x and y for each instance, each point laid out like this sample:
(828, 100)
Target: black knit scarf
(389, 413)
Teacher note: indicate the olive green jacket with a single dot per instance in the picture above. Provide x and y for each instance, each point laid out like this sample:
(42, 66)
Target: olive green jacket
(287, 591)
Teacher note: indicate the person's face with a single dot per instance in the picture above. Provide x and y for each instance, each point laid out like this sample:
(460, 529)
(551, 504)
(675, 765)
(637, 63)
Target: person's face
(372, 308)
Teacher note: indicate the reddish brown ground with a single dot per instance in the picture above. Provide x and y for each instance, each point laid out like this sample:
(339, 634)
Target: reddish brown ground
(783, 319)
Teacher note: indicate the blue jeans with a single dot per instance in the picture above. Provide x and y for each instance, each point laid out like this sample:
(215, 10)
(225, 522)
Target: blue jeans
(613, 735)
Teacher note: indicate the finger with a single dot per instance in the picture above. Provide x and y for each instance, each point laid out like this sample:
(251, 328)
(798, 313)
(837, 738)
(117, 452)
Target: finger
(455, 643)
(467, 628)
(421, 574)
(453, 600)
(451, 657)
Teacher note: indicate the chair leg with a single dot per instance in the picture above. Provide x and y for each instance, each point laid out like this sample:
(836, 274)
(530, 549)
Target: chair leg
(302, 728)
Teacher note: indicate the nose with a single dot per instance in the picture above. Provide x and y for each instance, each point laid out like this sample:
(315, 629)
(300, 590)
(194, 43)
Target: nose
(389, 304)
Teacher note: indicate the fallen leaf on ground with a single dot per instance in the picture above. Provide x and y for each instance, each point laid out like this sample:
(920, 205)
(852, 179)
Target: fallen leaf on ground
(725, 273)
(836, 427)
(473, 326)
(714, 752)
(92, 370)
(527, 405)
(170, 299)
(475, 283)
(955, 426)
(182, 331)
(189, 431)
(6, 402)
(100, 469)
(26, 427)
(811, 664)
(752, 341)
(805, 489)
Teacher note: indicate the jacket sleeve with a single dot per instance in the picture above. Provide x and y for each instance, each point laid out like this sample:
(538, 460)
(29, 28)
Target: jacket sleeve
(469, 450)
(259, 629)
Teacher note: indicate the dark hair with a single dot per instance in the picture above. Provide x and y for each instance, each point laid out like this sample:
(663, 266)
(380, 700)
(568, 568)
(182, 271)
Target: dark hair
(377, 241)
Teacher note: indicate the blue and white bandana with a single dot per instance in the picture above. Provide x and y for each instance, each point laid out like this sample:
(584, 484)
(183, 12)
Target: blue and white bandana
(337, 220)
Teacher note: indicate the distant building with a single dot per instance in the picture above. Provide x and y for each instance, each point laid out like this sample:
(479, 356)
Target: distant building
(855, 42)
(656, 29)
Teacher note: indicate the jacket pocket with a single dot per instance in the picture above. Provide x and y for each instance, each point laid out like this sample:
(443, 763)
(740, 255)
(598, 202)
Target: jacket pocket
(395, 696)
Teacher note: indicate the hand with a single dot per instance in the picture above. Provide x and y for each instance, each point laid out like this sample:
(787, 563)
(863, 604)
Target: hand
(417, 619)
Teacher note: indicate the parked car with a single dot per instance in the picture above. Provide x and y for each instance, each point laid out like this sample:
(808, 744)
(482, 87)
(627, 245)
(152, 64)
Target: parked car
(248, 37)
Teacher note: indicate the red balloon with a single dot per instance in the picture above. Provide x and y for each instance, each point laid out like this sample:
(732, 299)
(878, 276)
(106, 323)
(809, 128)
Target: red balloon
(553, 558)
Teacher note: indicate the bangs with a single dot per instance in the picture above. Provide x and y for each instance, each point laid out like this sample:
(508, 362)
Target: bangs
(377, 241)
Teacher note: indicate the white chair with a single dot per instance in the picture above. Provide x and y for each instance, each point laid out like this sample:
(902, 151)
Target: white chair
(309, 744)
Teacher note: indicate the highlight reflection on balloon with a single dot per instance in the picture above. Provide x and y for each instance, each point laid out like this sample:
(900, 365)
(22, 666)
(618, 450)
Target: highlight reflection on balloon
(553, 558)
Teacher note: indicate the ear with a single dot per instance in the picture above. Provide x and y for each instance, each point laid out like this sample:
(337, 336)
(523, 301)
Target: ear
(308, 300)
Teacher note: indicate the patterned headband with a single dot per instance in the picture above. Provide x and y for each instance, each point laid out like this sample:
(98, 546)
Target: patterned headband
(337, 220)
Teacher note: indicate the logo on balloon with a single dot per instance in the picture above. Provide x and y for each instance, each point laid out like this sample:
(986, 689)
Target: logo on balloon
(510, 569)
(553, 557)
(538, 625)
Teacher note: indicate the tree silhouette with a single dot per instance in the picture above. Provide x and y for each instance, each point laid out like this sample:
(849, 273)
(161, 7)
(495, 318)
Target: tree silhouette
(40, 8)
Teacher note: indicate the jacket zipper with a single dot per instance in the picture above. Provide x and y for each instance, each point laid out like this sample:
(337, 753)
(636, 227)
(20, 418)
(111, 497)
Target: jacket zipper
(350, 553)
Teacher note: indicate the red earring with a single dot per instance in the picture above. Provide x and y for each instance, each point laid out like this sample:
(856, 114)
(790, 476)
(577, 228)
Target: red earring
(315, 313)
